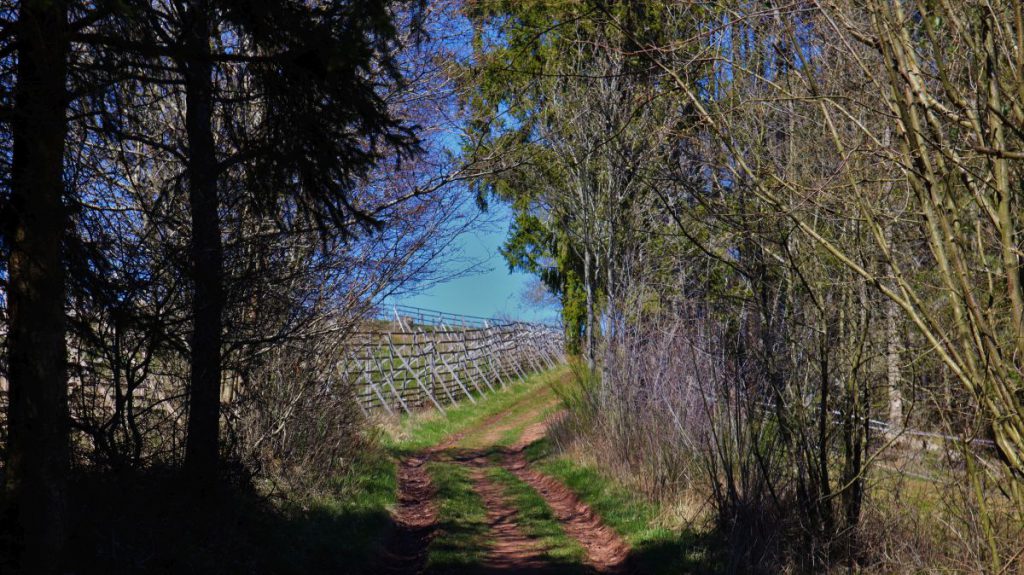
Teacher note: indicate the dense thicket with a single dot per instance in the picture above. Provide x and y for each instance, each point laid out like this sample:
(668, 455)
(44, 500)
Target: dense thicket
(785, 236)
(200, 200)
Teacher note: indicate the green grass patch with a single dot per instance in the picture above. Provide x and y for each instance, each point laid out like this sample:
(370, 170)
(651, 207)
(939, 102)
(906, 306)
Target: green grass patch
(534, 408)
(341, 529)
(540, 406)
(421, 431)
(462, 532)
(530, 409)
(361, 496)
(656, 549)
(537, 520)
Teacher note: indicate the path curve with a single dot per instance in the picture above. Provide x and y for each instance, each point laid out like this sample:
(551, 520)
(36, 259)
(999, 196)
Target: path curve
(606, 551)
(414, 519)
(512, 552)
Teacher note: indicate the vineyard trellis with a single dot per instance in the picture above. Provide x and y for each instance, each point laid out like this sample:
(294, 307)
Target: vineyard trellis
(409, 358)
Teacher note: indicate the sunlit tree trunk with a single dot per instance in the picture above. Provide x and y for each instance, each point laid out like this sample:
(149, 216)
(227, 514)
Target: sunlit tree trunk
(588, 286)
(892, 363)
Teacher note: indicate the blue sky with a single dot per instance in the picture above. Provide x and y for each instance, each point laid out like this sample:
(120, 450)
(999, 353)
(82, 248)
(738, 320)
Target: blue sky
(494, 291)
(490, 290)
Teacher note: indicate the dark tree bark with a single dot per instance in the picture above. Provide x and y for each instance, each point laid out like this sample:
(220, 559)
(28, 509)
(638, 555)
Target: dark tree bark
(37, 451)
(201, 448)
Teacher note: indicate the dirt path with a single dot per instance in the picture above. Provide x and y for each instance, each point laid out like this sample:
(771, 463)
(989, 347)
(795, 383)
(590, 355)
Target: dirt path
(486, 436)
(414, 519)
(606, 551)
(511, 550)
(415, 516)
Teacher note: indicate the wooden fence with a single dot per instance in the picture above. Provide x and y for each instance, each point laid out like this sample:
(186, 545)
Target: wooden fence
(412, 357)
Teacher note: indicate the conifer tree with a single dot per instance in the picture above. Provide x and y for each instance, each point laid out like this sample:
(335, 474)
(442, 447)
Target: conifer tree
(283, 99)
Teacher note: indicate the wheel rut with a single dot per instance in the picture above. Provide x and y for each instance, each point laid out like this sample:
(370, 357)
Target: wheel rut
(511, 550)
(414, 519)
(606, 550)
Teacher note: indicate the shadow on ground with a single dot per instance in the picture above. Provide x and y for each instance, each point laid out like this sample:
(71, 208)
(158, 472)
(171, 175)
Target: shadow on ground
(690, 553)
(148, 524)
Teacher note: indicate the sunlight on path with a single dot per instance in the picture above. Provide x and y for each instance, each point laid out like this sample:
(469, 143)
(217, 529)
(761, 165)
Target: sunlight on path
(534, 524)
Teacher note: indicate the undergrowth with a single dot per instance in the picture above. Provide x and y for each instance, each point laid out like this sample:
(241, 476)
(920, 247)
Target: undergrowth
(148, 523)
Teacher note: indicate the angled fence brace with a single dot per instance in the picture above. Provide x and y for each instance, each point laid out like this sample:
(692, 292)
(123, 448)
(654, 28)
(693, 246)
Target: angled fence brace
(472, 358)
(369, 381)
(461, 359)
(408, 369)
(451, 342)
(491, 359)
(509, 345)
(426, 361)
(401, 364)
(455, 377)
(359, 403)
(531, 355)
(391, 384)
(440, 381)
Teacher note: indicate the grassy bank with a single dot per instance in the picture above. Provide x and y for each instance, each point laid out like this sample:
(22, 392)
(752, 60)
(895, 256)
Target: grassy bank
(657, 547)
(426, 429)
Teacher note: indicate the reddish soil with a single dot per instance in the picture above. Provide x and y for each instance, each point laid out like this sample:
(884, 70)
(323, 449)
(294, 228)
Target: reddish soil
(415, 518)
(606, 551)
(511, 551)
(488, 433)
(490, 423)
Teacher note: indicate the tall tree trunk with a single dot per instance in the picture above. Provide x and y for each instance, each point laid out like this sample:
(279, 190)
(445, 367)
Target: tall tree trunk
(892, 361)
(611, 290)
(202, 445)
(37, 450)
(588, 287)
(893, 349)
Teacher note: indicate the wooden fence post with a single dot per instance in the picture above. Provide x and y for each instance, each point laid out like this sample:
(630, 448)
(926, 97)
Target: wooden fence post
(415, 376)
(427, 352)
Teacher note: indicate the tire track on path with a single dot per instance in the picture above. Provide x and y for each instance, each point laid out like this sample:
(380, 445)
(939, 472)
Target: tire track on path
(512, 551)
(414, 519)
(607, 552)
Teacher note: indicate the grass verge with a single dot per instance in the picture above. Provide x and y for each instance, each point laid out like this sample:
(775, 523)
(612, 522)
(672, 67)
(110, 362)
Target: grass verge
(355, 513)
(423, 430)
(656, 549)
(537, 520)
(462, 532)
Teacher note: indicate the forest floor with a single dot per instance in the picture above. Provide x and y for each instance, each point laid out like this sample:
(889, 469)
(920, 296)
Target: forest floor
(479, 490)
